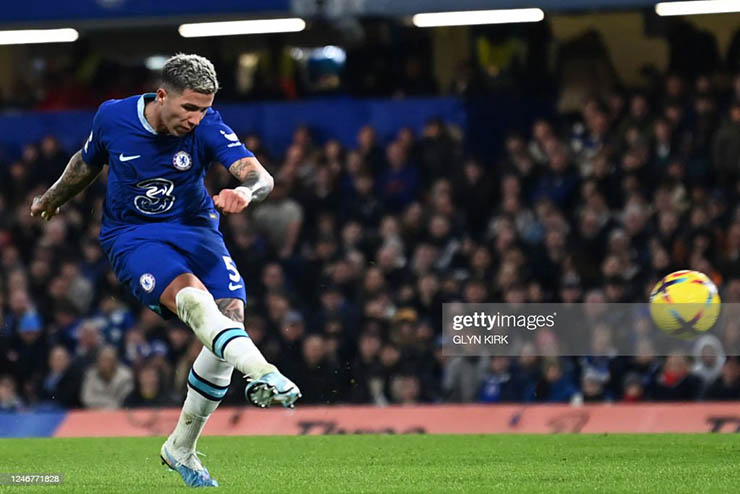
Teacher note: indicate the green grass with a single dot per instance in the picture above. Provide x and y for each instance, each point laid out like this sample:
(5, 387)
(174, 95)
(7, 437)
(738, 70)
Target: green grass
(499, 463)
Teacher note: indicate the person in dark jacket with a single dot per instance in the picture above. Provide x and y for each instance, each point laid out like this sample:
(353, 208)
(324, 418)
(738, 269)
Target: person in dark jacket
(727, 385)
(726, 147)
(675, 382)
(61, 385)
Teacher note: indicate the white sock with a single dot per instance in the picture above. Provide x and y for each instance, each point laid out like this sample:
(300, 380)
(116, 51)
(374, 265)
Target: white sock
(225, 337)
(208, 383)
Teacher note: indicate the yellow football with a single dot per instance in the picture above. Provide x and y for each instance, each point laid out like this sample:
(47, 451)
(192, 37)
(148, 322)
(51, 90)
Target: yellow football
(685, 304)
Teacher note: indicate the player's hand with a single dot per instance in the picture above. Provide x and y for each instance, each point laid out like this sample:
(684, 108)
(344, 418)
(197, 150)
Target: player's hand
(232, 200)
(41, 209)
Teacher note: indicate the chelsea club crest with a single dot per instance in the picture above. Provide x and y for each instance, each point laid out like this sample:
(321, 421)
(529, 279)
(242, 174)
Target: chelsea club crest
(147, 282)
(182, 161)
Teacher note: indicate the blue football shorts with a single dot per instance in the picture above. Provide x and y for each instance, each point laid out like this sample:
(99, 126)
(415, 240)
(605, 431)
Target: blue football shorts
(147, 258)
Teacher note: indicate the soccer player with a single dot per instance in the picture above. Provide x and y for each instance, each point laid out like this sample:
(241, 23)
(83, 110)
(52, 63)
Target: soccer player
(160, 233)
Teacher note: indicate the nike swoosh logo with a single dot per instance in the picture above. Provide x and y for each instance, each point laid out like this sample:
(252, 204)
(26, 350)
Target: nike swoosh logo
(233, 287)
(231, 137)
(128, 158)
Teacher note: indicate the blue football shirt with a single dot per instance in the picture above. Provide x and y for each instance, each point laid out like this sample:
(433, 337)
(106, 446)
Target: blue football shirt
(156, 177)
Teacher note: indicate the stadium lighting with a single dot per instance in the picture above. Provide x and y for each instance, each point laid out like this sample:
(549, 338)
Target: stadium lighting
(697, 7)
(155, 62)
(32, 36)
(230, 28)
(472, 17)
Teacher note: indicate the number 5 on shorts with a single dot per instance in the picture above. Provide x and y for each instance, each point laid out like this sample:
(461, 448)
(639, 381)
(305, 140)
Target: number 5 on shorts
(233, 273)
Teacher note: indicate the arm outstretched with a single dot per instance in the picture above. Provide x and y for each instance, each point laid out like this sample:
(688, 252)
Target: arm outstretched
(75, 178)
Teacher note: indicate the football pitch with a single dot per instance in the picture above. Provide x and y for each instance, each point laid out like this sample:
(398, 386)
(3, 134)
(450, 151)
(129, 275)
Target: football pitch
(496, 463)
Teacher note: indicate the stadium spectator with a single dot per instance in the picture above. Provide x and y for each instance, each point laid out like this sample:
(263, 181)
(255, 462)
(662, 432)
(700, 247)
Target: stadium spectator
(398, 186)
(279, 218)
(675, 382)
(369, 152)
(555, 385)
(62, 384)
(292, 330)
(405, 389)
(633, 388)
(709, 358)
(593, 387)
(462, 375)
(9, 399)
(148, 390)
(107, 383)
(29, 344)
(497, 384)
(365, 370)
(318, 378)
(437, 148)
(727, 385)
(89, 341)
(726, 147)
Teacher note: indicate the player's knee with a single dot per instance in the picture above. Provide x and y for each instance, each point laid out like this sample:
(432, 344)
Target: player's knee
(198, 309)
(185, 280)
(193, 305)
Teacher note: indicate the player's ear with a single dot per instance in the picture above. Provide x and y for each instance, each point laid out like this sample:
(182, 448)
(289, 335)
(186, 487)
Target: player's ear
(161, 94)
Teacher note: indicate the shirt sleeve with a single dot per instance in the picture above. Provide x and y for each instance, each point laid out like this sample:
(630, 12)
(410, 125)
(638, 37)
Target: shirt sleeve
(223, 145)
(93, 151)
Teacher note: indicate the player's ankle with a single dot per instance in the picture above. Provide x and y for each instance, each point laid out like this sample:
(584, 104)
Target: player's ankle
(179, 446)
(258, 371)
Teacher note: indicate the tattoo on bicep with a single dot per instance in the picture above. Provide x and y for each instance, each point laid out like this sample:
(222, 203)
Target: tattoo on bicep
(233, 308)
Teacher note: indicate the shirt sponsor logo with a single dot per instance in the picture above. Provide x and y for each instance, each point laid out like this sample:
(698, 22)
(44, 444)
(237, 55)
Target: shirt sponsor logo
(158, 197)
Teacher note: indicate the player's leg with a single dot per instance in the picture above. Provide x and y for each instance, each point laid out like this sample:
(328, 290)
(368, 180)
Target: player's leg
(208, 380)
(182, 274)
(147, 267)
(187, 297)
(226, 338)
(270, 387)
(203, 397)
(208, 383)
(213, 265)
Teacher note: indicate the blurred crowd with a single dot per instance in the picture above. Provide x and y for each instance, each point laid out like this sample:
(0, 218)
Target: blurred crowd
(349, 261)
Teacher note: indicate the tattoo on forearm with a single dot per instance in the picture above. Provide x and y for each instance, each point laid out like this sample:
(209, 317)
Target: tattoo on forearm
(254, 177)
(233, 308)
(260, 187)
(75, 178)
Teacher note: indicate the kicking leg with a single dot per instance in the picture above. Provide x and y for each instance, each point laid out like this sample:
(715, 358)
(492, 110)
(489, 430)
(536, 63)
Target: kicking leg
(227, 339)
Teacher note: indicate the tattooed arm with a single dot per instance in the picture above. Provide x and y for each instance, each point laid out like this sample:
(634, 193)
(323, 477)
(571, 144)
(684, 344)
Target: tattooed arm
(75, 178)
(257, 183)
(253, 177)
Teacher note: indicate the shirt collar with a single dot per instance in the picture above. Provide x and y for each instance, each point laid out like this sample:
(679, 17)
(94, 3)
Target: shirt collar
(140, 110)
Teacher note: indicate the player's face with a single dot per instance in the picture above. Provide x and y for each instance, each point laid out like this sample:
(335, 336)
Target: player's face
(183, 111)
